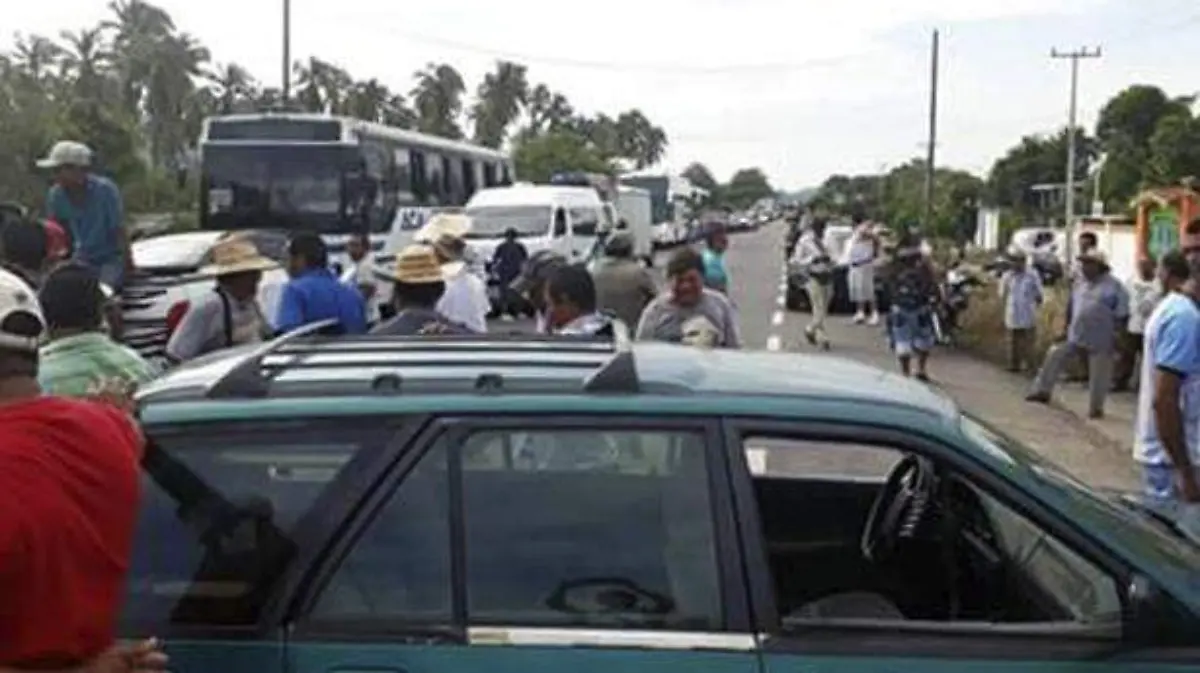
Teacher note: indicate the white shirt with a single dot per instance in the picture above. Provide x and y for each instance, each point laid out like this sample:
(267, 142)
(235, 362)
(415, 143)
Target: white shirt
(1022, 293)
(861, 249)
(359, 273)
(1172, 340)
(1143, 297)
(466, 301)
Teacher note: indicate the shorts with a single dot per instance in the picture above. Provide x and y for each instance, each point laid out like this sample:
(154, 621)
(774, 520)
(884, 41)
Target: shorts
(860, 281)
(910, 330)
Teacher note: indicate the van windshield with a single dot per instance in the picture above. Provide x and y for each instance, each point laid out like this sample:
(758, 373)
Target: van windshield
(493, 221)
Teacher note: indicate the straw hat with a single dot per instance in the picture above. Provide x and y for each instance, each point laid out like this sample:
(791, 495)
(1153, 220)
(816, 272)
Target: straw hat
(453, 225)
(417, 265)
(237, 254)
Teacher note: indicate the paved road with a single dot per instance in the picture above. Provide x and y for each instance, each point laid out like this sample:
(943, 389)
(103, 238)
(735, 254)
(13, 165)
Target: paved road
(757, 271)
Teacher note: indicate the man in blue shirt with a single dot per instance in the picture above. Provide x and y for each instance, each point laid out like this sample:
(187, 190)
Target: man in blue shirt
(314, 294)
(90, 207)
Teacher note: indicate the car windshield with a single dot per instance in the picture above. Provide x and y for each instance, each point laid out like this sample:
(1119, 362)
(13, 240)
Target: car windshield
(1134, 525)
(493, 221)
(171, 252)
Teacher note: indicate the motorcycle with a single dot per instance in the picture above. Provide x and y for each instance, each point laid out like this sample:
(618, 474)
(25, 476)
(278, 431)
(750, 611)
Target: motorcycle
(955, 297)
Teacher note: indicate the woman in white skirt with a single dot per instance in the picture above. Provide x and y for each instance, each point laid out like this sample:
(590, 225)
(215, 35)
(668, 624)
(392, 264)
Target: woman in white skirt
(860, 276)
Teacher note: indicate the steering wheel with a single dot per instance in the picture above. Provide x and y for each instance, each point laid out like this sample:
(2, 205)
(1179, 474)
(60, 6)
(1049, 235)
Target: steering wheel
(899, 507)
(613, 595)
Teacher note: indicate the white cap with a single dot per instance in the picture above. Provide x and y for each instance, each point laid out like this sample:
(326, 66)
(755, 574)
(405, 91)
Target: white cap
(67, 153)
(17, 297)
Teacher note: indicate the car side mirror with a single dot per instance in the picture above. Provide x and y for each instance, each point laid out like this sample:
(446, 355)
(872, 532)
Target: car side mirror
(1144, 610)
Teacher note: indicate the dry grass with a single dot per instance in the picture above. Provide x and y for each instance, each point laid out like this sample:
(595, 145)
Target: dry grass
(982, 324)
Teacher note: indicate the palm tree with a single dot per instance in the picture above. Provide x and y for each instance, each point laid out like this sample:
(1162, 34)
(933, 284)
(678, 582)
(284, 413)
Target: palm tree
(233, 86)
(498, 103)
(180, 59)
(397, 113)
(35, 58)
(641, 141)
(321, 86)
(366, 100)
(437, 98)
(85, 60)
(547, 110)
(139, 30)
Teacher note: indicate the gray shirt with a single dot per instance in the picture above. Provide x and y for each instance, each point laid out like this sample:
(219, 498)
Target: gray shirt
(1098, 309)
(663, 320)
(203, 329)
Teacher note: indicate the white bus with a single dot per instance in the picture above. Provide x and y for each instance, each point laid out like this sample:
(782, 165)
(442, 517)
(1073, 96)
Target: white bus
(335, 176)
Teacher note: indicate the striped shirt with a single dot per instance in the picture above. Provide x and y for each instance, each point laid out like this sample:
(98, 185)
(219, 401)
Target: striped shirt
(70, 366)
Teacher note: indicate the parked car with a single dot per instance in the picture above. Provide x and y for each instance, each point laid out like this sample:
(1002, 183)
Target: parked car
(171, 275)
(521, 503)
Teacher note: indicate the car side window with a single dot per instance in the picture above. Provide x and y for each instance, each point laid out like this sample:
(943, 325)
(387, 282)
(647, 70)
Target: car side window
(220, 508)
(585, 221)
(962, 555)
(592, 528)
(560, 222)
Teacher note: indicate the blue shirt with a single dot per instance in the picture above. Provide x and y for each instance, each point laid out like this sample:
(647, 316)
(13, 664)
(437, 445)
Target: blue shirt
(715, 275)
(1022, 292)
(317, 295)
(1172, 342)
(95, 224)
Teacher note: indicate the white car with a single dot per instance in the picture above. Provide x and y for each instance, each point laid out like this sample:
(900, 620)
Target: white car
(171, 275)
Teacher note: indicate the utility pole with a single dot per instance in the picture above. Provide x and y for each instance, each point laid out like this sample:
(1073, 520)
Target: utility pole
(1069, 213)
(287, 50)
(927, 225)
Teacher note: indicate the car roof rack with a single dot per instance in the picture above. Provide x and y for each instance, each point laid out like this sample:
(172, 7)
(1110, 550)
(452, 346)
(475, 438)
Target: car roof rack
(617, 372)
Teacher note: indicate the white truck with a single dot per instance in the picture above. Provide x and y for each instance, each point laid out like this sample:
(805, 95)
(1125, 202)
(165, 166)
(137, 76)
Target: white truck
(633, 207)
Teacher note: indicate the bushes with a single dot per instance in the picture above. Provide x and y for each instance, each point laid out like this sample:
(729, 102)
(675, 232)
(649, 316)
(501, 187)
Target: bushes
(982, 325)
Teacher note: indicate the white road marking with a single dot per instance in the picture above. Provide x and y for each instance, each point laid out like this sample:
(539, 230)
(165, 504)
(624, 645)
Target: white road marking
(780, 300)
(783, 286)
(774, 343)
(777, 319)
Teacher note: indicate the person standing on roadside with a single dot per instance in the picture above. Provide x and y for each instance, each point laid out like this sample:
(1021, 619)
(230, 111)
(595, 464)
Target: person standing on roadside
(79, 354)
(912, 289)
(90, 206)
(716, 274)
(466, 299)
(359, 274)
(1100, 307)
(313, 294)
(1144, 292)
(689, 312)
(69, 472)
(1021, 292)
(860, 277)
(571, 304)
(624, 286)
(419, 283)
(1167, 430)
(814, 259)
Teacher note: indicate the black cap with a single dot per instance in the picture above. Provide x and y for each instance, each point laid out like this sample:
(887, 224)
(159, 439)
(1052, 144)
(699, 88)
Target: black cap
(537, 270)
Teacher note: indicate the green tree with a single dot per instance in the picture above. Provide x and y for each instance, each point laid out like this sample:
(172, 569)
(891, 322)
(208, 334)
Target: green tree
(538, 157)
(747, 186)
(437, 99)
(498, 102)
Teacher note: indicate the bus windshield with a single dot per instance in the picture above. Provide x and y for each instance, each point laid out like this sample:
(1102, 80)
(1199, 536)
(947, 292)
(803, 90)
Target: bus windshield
(493, 221)
(280, 186)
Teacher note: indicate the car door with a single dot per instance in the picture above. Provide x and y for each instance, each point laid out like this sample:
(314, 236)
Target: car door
(1013, 614)
(537, 543)
(228, 510)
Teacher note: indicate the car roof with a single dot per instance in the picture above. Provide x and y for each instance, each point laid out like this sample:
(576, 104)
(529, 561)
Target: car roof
(485, 369)
(534, 195)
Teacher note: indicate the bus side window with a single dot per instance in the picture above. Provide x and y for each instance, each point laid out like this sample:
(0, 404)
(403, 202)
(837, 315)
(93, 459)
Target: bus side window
(470, 178)
(505, 175)
(433, 178)
(452, 180)
(403, 177)
(420, 185)
(489, 174)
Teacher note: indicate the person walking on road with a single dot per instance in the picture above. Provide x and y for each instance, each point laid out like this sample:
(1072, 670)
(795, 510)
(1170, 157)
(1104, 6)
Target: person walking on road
(913, 291)
(1167, 429)
(230, 315)
(79, 354)
(531, 284)
(466, 299)
(571, 308)
(314, 294)
(1100, 307)
(420, 283)
(359, 273)
(813, 258)
(507, 260)
(1021, 292)
(91, 207)
(716, 274)
(624, 286)
(688, 312)
(1145, 290)
(861, 254)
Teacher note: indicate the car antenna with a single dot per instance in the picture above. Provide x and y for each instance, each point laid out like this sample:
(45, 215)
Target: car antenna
(245, 379)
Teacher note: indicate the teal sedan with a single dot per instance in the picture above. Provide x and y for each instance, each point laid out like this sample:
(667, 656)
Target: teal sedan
(496, 504)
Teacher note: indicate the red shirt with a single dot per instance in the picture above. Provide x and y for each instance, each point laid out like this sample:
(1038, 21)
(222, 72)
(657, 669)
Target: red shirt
(58, 245)
(68, 509)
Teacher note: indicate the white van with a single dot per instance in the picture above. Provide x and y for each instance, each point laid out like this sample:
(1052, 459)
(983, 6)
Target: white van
(561, 218)
(633, 206)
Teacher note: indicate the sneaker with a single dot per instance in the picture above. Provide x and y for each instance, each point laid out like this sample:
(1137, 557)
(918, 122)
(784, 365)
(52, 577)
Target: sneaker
(873, 320)
(859, 318)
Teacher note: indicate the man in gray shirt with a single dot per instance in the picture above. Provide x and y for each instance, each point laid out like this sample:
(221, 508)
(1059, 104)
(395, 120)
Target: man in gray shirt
(688, 312)
(1099, 308)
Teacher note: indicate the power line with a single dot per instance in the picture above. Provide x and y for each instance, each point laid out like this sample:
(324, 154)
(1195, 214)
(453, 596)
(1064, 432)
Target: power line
(653, 68)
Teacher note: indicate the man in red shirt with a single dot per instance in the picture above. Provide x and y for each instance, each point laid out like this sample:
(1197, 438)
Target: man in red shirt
(68, 507)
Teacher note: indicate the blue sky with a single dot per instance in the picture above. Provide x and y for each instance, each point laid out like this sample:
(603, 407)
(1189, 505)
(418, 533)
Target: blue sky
(801, 88)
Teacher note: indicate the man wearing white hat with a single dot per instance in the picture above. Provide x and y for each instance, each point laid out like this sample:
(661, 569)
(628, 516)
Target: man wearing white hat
(465, 300)
(91, 208)
(230, 316)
